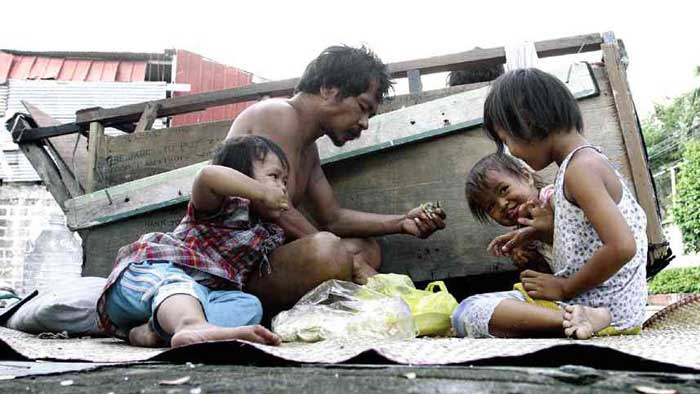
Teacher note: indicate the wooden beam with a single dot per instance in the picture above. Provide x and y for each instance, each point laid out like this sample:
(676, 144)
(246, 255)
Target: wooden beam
(131, 198)
(191, 103)
(415, 85)
(632, 136)
(474, 57)
(95, 156)
(43, 119)
(457, 61)
(47, 170)
(150, 114)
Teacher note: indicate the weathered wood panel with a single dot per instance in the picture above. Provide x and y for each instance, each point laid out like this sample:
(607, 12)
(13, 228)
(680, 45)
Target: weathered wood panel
(394, 181)
(101, 244)
(139, 155)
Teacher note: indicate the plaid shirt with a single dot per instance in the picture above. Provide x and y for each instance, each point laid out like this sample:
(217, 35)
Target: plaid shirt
(218, 251)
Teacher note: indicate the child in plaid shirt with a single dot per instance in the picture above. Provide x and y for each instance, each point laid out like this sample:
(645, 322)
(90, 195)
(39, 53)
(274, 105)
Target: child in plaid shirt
(185, 286)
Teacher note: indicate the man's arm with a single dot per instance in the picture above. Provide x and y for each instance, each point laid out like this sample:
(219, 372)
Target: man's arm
(350, 223)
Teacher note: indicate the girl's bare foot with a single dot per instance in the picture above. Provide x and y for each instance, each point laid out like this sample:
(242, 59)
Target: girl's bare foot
(208, 332)
(144, 336)
(582, 322)
(362, 271)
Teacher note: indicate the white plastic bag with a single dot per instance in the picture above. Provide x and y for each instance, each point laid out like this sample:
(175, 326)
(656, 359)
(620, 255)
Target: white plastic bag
(339, 309)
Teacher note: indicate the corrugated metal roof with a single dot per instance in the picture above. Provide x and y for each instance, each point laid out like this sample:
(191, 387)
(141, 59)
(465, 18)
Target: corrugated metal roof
(14, 167)
(61, 99)
(204, 75)
(14, 66)
(3, 100)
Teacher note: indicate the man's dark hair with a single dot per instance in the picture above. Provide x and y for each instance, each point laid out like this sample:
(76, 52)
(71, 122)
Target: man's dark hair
(529, 104)
(474, 75)
(478, 180)
(239, 153)
(349, 69)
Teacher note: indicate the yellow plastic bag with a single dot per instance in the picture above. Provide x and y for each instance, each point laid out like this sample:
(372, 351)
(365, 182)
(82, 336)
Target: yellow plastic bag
(431, 310)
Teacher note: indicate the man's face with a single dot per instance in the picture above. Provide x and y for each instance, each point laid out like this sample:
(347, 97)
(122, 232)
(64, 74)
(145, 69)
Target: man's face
(348, 117)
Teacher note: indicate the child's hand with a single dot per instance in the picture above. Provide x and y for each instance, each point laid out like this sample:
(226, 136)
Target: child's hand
(503, 245)
(274, 201)
(542, 218)
(545, 286)
(523, 257)
(421, 223)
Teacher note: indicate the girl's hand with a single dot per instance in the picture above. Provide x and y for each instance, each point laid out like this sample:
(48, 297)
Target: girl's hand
(542, 218)
(524, 257)
(545, 286)
(422, 224)
(503, 245)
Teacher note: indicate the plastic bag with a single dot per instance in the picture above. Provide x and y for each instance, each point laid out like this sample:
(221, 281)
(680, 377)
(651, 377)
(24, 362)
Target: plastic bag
(430, 310)
(339, 309)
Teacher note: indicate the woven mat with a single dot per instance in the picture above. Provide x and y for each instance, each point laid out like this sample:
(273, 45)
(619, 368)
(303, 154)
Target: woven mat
(671, 336)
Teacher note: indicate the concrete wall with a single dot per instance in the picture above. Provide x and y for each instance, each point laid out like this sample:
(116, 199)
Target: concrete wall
(25, 210)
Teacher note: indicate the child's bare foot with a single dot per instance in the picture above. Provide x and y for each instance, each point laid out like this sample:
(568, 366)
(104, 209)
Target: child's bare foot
(582, 322)
(362, 271)
(144, 336)
(208, 332)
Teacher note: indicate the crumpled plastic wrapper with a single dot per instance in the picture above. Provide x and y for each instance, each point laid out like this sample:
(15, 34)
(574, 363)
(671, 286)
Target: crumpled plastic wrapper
(344, 310)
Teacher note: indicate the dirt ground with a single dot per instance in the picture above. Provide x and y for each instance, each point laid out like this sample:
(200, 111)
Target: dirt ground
(361, 379)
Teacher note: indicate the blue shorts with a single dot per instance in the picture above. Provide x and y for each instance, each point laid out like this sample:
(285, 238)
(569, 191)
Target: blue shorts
(134, 298)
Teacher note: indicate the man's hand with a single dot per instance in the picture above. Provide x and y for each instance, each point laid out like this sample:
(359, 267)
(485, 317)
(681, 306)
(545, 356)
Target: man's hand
(422, 223)
(545, 286)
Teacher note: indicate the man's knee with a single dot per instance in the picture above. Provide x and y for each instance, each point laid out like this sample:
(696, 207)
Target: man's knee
(329, 254)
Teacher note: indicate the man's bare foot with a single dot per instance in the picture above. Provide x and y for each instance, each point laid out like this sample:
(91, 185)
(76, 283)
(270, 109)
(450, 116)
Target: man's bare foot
(362, 271)
(144, 336)
(582, 322)
(208, 332)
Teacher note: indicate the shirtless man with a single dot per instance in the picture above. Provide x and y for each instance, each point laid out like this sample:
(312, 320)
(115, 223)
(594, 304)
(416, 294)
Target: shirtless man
(337, 94)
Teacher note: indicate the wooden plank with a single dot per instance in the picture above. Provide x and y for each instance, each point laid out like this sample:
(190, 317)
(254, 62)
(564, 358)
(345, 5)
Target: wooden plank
(436, 117)
(147, 118)
(414, 83)
(95, 156)
(196, 102)
(131, 198)
(134, 156)
(627, 118)
(47, 170)
(67, 176)
(100, 244)
(459, 61)
(390, 130)
(191, 103)
(407, 100)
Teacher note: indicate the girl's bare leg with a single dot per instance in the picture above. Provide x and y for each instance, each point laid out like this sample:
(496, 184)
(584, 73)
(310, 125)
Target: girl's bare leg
(518, 319)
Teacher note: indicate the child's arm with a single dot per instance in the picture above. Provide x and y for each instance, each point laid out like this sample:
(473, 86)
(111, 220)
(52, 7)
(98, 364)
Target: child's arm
(590, 183)
(213, 183)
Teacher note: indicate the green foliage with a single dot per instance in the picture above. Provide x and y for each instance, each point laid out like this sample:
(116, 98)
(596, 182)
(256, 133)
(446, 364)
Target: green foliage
(676, 280)
(670, 126)
(686, 205)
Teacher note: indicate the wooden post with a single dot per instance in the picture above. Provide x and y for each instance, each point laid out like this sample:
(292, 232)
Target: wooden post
(632, 137)
(150, 114)
(95, 156)
(414, 83)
